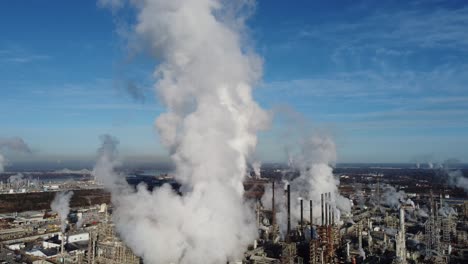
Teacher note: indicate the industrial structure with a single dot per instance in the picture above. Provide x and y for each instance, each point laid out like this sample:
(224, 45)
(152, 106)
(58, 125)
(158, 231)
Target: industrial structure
(373, 233)
(416, 228)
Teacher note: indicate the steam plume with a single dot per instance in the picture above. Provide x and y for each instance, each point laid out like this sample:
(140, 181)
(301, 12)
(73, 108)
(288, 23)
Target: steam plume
(61, 205)
(205, 80)
(317, 154)
(391, 197)
(313, 161)
(135, 91)
(2, 163)
(107, 161)
(17, 178)
(257, 165)
(14, 144)
(457, 179)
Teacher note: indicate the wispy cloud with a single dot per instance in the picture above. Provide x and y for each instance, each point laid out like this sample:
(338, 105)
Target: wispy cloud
(26, 58)
(439, 28)
(19, 55)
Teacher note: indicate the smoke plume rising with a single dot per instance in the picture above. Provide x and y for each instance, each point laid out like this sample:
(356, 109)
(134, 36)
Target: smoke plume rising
(104, 171)
(313, 161)
(391, 197)
(16, 178)
(2, 163)
(456, 178)
(14, 144)
(317, 154)
(205, 80)
(61, 205)
(257, 166)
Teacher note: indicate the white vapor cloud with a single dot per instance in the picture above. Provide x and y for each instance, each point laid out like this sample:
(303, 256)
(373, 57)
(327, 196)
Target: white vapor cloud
(16, 144)
(205, 81)
(61, 205)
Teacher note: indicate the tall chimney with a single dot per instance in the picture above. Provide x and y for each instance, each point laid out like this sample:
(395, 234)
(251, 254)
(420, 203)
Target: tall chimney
(62, 245)
(323, 215)
(333, 215)
(330, 221)
(326, 209)
(289, 211)
(302, 214)
(378, 191)
(273, 212)
(311, 219)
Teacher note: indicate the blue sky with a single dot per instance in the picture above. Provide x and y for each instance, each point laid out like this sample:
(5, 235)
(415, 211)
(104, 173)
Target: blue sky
(388, 79)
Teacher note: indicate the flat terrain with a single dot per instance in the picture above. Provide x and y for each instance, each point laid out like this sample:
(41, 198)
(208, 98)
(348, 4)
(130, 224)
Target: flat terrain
(20, 202)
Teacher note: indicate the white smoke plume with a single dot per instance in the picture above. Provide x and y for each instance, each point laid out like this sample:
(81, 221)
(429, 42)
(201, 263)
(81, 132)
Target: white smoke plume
(421, 213)
(430, 165)
(205, 80)
(14, 144)
(456, 178)
(257, 166)
(2, 163)
(362, 253)
(16, 178)
(447, 211)
(313, 161)
(104, 171)
(61, 205)
(393, 198)
(80, 221)
(420, 160)
(280, 204)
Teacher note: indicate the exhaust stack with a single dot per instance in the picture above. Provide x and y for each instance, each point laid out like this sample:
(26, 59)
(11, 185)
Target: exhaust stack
(289, 210)
(273, 204)
(302, 213)
(326, 209)
(323, 215)
(330, 220)
(311, 219)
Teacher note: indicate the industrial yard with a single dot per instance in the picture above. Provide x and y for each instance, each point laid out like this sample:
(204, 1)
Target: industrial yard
(385, 225)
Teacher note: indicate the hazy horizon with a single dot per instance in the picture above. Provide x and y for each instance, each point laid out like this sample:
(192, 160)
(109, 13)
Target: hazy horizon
(384, 91)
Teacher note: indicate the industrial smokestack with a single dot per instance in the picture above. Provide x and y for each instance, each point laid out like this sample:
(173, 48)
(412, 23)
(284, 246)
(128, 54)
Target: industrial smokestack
(273, 204)
(401, 239)
(62, 245)
(302, 213)
(360, 237)
(323, 215)
(326, 209)
(330, 221)
(289, 210)
(333, 216)
(311, 219)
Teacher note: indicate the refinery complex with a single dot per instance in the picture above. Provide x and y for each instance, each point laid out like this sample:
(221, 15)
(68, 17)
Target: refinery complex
(197, 132)
(385, 224)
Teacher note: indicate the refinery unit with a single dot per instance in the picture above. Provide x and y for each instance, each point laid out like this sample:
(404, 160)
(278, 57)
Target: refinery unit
(428, 228)
(370, 234)
(89, 237)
